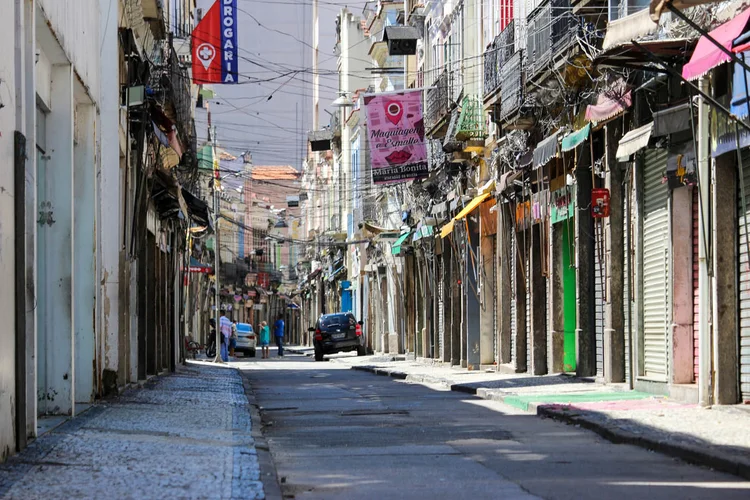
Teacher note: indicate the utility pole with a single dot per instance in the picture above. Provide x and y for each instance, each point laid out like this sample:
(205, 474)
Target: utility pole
(217, 215)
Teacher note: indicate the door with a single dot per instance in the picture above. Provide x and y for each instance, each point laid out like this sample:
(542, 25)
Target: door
(569, 296)
(441, 306)
(655, 266)
(599, 297)
(495, 290)
(743, 223)
(513, 309)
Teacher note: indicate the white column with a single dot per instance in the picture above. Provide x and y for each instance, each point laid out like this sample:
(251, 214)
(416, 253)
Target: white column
(704, 280)
(55, 251)
(110, 214)
(84, 264)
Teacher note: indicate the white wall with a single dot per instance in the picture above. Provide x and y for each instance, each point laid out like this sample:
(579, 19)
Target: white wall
(76, 29)
(7, 251)
(110, 207)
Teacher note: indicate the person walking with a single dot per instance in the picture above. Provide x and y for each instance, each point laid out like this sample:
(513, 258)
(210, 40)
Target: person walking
(233, 339)
(225, 327)
(265, 338)
(278, 332)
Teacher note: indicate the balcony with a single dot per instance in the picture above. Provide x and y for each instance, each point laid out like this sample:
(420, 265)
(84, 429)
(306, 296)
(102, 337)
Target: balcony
(511, 78)
(171, 83)
(497, 53)
(551, 30)
(437, 101)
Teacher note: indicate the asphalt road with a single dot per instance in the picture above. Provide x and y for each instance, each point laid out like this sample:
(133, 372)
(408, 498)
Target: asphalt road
(336, 433)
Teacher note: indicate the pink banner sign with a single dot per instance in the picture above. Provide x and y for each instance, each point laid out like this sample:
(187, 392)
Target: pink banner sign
(398, 151)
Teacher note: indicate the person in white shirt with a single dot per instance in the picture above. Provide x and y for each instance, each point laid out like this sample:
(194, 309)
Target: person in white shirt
(225, 326)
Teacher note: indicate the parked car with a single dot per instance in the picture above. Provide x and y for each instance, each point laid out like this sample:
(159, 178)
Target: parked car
(246, 339)
(338, 332)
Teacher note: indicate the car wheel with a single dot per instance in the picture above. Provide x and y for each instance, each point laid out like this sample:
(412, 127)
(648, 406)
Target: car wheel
(318, 354)
(361, 351)
(252, 352)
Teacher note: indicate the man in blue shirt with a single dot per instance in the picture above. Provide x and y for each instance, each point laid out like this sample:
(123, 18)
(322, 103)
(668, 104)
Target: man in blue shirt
(278, 332)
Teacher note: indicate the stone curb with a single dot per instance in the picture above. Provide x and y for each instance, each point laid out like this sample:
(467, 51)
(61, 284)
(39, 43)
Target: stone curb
(268, 474)
(608, 432)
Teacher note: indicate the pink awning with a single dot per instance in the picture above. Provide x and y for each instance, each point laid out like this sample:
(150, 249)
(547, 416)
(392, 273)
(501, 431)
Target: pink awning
(707, 55)
(607, 107)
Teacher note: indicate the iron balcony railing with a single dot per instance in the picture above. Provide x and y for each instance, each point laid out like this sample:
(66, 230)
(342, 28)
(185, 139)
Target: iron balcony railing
(551, 30)
(512, 84)
(497, 53)
(437, 100)
(171, 82)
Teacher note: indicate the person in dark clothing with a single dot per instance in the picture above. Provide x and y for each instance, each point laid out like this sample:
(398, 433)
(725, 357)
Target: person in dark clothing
(278, 333)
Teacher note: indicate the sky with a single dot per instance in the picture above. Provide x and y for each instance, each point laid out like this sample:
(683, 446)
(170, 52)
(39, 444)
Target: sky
(271, 117)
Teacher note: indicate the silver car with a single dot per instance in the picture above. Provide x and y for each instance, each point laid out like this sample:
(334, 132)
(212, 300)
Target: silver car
(246, 339)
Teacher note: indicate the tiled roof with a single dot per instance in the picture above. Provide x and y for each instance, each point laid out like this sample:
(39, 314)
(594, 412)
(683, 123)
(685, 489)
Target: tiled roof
(275, 172)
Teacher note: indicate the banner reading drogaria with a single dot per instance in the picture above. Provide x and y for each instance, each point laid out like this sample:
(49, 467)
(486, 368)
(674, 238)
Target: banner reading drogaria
(214, 45)
(395, 126)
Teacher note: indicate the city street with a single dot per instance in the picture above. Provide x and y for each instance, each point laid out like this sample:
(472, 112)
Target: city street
(339, 433)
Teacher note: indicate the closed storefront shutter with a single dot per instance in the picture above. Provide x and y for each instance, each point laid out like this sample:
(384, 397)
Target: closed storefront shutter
(655, 265)
(696, 316)
(513, 308)
(527, 267)
(495, 289)
(599, 303)
(744, 273)
(441, 305)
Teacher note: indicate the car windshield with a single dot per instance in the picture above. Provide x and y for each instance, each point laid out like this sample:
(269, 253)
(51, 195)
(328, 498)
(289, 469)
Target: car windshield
(337, 320)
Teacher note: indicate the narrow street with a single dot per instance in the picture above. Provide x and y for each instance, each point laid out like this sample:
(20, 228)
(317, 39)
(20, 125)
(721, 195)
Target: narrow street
(339, 433)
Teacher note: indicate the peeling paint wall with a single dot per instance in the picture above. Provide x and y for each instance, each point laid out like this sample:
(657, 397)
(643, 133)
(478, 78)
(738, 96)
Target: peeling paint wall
(7, 250)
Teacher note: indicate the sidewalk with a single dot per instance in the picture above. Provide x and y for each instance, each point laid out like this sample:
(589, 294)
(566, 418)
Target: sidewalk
(717, 437)
(185, 435)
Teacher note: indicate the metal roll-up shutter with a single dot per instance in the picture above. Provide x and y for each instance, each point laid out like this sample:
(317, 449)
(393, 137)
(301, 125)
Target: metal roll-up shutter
(599, 303)
(441, 306)
(696, 295)
(513, 309)
(628, 263)
(527, 267)
(656, 293)
(495, 290)
(744, 275)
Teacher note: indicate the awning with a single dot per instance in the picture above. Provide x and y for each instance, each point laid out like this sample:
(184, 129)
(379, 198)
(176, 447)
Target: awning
(658, 7)
(575, 139)
(626, 29)
(377, 229)
(423, 232)
(740, 86)
(672, 120)
(707, 55)
(608, 107)
(396, 247)
(671, 51)
(507, 180)
(634, 140)
(473, 204)
(545, 150)
(447, 229)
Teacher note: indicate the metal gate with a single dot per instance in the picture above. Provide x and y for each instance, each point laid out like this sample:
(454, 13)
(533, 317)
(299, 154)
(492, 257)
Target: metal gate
(440, 278)
(513, 306)
(527, 267)
(495, 289)
(744, 284)
(655, 267)
(599, 298)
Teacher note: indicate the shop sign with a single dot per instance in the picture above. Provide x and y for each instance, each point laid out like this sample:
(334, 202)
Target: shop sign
(599, 203)
(562, 204)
